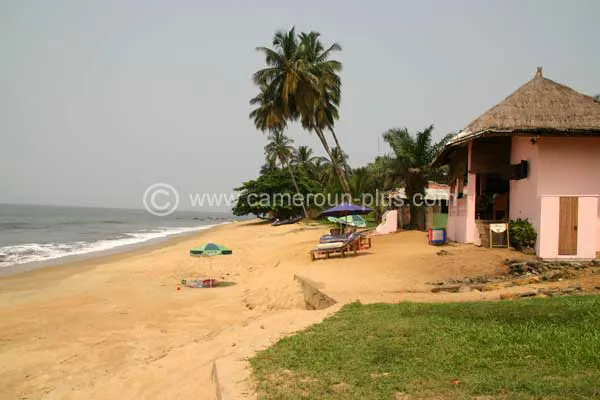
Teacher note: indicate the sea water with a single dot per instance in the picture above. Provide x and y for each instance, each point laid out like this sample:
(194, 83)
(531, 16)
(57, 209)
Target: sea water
(32, 233)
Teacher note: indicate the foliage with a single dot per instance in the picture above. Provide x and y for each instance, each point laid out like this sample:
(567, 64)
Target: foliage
(531, 349)
(307, 162)
(300, 82)
(410, 164)
(279, 149)
(522, 234)
(266, 186)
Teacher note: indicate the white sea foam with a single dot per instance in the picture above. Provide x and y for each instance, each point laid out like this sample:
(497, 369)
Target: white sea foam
(35, 252)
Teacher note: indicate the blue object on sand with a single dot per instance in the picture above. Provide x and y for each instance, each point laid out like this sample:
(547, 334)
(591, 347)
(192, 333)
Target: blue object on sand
(345, 209)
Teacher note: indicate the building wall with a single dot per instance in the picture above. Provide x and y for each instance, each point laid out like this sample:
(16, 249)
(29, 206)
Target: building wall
(569, 167)
(461, 212)
(524, 201)
(586, 228)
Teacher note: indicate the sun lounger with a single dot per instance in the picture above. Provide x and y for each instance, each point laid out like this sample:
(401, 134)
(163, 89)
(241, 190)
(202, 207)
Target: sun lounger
(332, 238)
(350, 244)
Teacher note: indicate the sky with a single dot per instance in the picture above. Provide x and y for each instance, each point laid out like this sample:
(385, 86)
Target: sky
(101, 99)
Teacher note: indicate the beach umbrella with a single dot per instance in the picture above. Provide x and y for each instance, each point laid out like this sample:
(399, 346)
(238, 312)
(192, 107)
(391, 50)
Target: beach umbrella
(353, 220)
(333, 220)
(344, 209)
(209, 249)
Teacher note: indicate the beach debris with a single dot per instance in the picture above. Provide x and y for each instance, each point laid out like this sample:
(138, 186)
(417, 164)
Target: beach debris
(204, 283)
(455, 381)
(443, 253)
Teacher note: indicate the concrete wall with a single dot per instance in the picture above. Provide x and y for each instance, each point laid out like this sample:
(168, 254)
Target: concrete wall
(569, 167)
(524, 201)
(461, 212)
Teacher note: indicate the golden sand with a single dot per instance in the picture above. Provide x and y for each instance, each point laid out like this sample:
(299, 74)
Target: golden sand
(116, 327)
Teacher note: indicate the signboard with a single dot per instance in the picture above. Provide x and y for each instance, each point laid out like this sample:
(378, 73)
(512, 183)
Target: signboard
(501, 228)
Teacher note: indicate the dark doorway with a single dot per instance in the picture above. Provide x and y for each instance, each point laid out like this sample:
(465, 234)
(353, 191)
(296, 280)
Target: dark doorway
(492, 197)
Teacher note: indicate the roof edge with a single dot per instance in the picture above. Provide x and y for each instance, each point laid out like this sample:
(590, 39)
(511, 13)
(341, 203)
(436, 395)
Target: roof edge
(441, 157)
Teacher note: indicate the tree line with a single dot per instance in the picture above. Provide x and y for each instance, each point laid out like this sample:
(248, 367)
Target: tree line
(300, 83)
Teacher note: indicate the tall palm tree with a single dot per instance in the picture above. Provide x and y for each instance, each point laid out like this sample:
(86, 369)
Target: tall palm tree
(299, 79)
(280, 149)
(326, 107)
(411, 161)
(268, 116)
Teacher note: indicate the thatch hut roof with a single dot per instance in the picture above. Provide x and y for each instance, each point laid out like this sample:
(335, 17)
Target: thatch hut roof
(539, 107)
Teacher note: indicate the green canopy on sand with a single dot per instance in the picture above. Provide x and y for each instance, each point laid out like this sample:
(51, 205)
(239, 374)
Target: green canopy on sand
(352, 220)
(210, 249)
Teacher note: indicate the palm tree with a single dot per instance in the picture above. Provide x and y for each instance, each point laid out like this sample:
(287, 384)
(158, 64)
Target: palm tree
(268, 116)
(305, 160)
(411, 161)
(301, 81)
(329, 171)
(280, 149)
(326, 108)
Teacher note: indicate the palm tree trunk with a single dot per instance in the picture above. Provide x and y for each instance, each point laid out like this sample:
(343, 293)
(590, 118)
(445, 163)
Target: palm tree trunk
(337, 143)
(289, 168)
(338, 170)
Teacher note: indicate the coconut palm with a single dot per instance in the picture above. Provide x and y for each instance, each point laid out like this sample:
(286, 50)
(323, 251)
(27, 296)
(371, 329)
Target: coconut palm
(268, 117)
(300, 81)
(306, 161)
(411, 162)
(328, 171)
(326, 107)
(280, 149)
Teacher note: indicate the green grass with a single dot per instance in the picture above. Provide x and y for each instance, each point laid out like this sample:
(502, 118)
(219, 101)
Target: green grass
(530, 349)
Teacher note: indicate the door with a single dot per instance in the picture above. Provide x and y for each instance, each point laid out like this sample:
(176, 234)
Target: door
(567, 226)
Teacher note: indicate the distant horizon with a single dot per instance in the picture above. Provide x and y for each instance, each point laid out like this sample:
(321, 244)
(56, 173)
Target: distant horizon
(189, 210)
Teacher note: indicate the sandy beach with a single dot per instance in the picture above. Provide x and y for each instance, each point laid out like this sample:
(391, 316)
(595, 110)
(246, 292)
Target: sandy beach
(117, 327)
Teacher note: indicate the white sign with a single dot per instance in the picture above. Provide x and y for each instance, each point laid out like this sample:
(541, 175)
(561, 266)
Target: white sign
(498, 228)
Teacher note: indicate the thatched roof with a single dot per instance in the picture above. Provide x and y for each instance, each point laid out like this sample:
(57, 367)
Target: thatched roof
(539, 107)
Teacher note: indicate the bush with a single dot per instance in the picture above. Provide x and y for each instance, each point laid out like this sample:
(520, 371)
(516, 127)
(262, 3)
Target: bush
(522, 234)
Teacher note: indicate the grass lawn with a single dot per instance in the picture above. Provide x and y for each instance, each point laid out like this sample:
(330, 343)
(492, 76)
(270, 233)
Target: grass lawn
(528, 349)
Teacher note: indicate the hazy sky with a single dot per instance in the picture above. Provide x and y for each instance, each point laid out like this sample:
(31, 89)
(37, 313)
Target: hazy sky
(100, 99)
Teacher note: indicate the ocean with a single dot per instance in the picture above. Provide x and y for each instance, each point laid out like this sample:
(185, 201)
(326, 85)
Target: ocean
(37, 234)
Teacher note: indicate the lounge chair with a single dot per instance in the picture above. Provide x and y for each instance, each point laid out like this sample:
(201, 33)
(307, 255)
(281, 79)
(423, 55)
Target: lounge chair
(350, 244)
(365, 241)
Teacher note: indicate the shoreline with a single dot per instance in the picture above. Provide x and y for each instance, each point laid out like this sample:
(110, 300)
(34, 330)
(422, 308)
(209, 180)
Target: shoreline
(17, 269)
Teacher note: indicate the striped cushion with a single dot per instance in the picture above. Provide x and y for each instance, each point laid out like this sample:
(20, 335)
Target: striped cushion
(329, 246)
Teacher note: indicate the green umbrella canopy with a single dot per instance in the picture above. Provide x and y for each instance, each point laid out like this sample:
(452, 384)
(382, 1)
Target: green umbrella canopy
(209, 249)
(352, 220)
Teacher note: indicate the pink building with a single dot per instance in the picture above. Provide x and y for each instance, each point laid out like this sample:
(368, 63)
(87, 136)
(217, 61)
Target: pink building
(534, 155)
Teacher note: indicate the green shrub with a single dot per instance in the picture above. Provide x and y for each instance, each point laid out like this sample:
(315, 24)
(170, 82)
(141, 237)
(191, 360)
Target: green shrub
(522, 234)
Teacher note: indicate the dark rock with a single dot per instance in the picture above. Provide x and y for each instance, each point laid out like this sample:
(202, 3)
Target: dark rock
(446, 288)
(528, 294)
